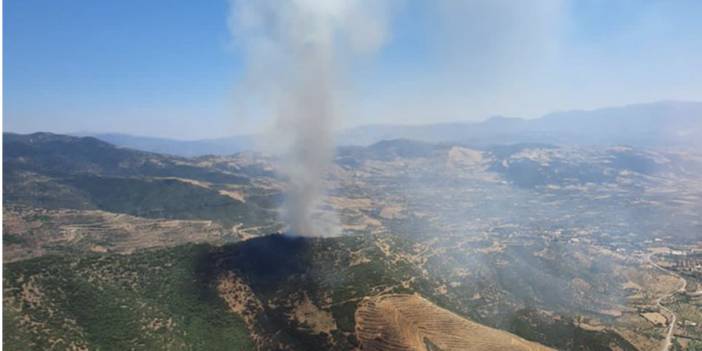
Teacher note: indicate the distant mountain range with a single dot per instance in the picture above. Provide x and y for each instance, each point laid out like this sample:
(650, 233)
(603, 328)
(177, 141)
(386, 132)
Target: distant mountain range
(654, 124)
(187, 148)
(667, 123)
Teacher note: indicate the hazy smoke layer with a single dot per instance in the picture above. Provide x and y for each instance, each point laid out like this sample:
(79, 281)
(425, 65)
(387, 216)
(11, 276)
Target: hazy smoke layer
(293, 50)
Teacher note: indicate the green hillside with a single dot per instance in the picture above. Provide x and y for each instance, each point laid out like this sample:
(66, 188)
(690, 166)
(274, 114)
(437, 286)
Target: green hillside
(147, 301)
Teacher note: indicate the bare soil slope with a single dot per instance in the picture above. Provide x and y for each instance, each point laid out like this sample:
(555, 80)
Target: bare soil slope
(410, 322)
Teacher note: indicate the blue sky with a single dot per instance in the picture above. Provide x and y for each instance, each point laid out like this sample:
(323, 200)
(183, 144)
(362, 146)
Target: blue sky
(171, 68)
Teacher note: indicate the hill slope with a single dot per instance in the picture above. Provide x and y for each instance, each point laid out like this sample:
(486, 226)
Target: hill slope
(153, 300)
(410, 322)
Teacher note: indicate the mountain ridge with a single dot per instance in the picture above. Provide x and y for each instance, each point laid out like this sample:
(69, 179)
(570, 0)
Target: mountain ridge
(662, 123)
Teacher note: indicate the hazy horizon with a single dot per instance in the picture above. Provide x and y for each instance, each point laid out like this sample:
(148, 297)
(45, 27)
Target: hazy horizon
(181, 71)
(342, 129)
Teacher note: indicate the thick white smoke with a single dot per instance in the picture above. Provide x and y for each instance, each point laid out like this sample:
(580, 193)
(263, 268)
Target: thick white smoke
(294, 51)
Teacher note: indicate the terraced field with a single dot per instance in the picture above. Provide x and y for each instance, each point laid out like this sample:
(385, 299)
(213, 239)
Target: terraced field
(410, 322)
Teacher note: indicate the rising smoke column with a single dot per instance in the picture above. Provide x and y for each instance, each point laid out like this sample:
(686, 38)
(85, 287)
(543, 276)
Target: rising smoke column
(295, 51)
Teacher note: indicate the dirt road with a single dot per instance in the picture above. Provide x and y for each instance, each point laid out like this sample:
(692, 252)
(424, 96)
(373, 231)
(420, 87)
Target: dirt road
(669, 335)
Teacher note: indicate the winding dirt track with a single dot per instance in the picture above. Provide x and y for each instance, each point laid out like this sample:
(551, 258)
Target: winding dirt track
(669, 335)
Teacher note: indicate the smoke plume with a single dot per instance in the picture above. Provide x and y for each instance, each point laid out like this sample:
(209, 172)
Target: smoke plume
(294, 70)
